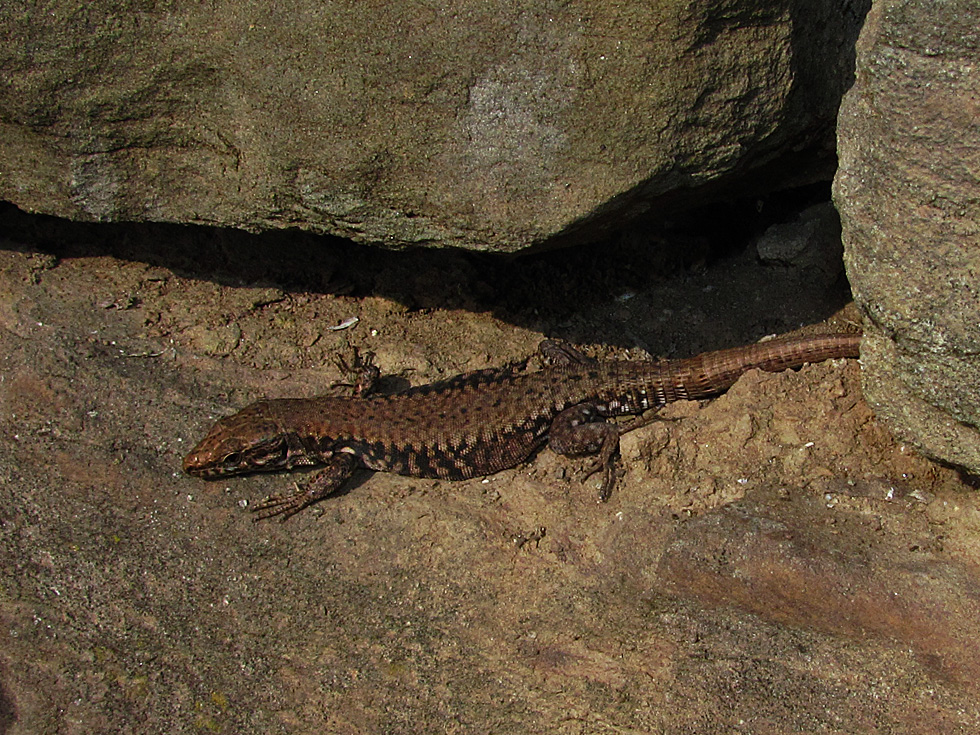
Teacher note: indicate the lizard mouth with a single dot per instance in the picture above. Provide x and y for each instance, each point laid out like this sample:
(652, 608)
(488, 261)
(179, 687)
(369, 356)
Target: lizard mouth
(197, 464)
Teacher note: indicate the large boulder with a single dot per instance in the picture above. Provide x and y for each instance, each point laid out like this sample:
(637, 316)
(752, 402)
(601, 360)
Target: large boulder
(484, 125)
(908, 191)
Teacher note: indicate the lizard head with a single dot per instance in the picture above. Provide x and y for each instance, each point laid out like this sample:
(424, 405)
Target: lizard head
(248, 441)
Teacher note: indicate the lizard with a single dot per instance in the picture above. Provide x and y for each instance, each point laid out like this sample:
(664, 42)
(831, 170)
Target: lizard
(482, 422)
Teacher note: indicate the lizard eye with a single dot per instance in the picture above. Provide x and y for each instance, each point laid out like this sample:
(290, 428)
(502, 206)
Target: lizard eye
(233, 458)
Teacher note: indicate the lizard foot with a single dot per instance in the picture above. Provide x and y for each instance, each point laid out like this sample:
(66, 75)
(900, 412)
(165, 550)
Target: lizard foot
(325, 483)
(581, 430)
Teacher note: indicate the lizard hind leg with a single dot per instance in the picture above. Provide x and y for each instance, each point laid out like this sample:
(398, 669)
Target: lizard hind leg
(581, 430)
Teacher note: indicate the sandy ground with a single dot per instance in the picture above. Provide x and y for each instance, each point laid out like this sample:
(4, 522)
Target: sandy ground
(771, 561)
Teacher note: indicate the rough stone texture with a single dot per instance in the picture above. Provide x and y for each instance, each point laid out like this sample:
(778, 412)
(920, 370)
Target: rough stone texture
(771, 561)
(908, 190)
(491, 126)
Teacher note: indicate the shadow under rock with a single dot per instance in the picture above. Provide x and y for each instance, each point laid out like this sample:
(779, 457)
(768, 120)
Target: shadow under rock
(548, 290)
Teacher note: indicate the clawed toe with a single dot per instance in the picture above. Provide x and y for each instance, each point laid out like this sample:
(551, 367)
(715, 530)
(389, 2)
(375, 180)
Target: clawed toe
(285, 506)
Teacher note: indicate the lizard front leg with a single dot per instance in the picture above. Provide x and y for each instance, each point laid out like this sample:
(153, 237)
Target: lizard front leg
(362, 373)
(323, 484)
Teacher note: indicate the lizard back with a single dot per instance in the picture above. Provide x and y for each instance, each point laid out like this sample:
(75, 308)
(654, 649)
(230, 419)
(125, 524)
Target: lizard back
(480, 423)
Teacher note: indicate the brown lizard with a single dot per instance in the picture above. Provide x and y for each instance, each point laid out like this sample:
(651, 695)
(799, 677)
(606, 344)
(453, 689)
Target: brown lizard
(481, 422)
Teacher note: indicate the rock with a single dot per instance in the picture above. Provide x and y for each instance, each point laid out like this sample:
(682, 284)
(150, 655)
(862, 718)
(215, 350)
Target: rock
(812, 243)
(908, 194)
(131, 593)
(811, 566)
(491, 127)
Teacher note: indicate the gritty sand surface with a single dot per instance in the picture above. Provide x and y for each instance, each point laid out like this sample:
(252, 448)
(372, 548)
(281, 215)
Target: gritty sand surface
(771, 561)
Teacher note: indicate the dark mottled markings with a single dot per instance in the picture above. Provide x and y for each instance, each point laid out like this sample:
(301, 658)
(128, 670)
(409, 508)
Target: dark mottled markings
(418, 461)
(421, 460)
